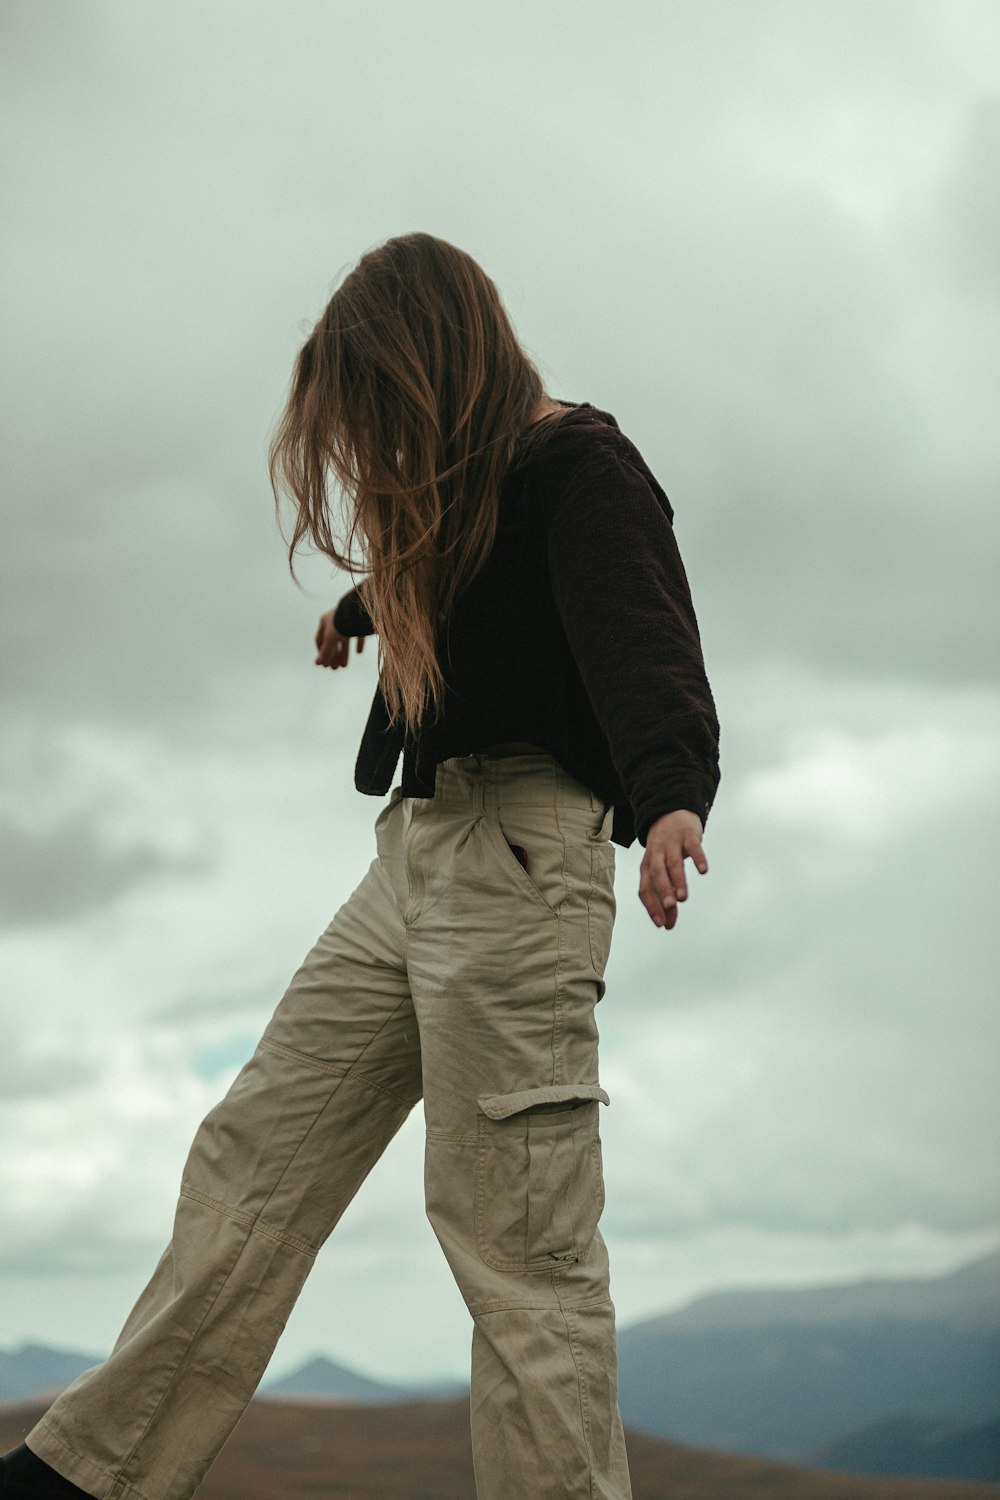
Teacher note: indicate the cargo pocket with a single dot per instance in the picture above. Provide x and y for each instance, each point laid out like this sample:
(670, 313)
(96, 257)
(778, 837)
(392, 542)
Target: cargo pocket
(540, 1181)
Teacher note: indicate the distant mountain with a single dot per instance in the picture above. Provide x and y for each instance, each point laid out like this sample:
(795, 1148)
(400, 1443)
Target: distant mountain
(904, 1445)
(843, 1376)
(33, 1368)
(323, 1378)
(964, 1298)
(784, 1374)
(284, 1450)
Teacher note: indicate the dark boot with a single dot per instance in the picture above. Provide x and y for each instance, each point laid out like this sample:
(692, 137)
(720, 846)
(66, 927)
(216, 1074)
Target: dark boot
(23, 1476)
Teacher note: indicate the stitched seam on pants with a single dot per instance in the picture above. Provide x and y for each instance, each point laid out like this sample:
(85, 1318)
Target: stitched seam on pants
(557, 1003)
(126, 1491)
(453, 1140)
(232, 1269)
(122, 1485)
(600, 1301)
(590, 904)
(349, 1074)
(336, 1070)
(581, 1384)
(509, 1305)
(486, 1308)
(250, 1221)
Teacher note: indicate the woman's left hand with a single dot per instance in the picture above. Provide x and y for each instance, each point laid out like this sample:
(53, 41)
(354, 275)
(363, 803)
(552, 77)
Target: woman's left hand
(662, 883)
(333, 649)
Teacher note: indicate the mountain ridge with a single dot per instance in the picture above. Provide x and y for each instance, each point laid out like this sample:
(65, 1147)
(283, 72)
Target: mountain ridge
(793, 1374)
(282, 1450)
(961, 1297)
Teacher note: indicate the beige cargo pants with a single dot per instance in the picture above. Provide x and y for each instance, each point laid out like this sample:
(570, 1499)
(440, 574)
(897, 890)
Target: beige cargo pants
(454, 974)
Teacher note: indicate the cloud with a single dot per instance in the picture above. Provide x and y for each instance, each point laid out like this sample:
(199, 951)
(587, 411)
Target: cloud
(776, 1112)
(75, 835)
(65, 870)
(807, 1051)
(762, 237)
(859, 791)
(970, 227)
(791, 346)
(53, 1071)
(812, 1046)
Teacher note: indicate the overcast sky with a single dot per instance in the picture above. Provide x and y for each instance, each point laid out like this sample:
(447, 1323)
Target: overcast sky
(762, 233)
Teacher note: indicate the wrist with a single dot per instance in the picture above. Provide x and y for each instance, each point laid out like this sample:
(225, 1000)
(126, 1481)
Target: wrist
(684, 815)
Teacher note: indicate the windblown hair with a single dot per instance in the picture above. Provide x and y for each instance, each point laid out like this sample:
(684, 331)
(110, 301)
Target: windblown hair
(413, 394)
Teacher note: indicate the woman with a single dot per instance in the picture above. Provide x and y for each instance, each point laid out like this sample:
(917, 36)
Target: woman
(541, 674)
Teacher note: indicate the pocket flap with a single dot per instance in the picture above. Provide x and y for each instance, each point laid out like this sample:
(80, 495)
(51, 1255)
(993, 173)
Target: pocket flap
(502, 1106)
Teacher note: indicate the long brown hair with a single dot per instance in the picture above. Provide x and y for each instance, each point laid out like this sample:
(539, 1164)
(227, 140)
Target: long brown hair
(413, 393)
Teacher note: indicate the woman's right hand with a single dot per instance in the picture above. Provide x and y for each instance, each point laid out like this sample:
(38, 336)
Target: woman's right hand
(670, 840)
(334, 649)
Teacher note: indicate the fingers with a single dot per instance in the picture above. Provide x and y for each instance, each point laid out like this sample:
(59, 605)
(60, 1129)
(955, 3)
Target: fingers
(675, 873)
(656, 889)
(692, 844)
(690, 848)
(662, 908)
(662, 878)
(332, 648)
(323, 629)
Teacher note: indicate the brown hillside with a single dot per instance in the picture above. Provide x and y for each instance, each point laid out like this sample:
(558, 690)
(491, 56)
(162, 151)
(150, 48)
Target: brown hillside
(318, 1450)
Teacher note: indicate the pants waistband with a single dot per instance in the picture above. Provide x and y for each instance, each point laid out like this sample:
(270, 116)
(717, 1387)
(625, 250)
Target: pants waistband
(504, 776)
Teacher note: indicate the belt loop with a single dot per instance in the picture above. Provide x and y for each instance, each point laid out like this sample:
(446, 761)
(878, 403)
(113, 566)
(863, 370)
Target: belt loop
(476, 776)
(489, 786)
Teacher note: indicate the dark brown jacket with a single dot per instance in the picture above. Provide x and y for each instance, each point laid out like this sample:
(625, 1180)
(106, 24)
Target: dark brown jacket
(578, 635)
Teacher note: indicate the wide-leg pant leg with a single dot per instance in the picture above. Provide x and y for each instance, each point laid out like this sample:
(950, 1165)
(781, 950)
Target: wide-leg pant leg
(506, 967)
(270, 1171)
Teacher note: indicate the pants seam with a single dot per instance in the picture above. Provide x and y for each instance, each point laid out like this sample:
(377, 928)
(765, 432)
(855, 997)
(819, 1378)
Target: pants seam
(490, 1308)
(557, 1004)
(250, 1221)
(581, 1386)
(349, 1074)
(335, 1070)
(239, 1256)
(123, 1486)
(318, 1064)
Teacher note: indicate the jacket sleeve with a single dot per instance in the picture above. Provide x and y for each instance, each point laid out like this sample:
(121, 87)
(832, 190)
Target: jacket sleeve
(625, 604)
(351, 617)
